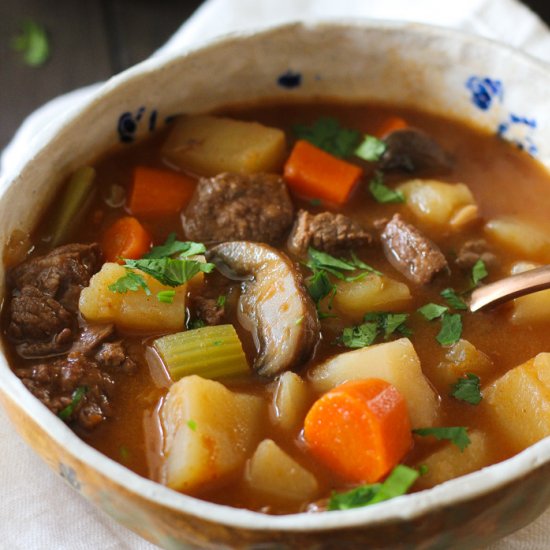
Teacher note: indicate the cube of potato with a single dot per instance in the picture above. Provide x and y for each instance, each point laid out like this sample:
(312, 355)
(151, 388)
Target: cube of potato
(520, 237)
(533, 308)
(209, 145)
(372, 293)
(519, 402)
(209, 431)
(133, 310)
(271, 471)
(461, 358)
(450, 462)
(450, 205)
(290, 401)
(397, 363)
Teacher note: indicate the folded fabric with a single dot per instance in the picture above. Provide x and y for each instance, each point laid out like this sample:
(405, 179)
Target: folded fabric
(37, 510)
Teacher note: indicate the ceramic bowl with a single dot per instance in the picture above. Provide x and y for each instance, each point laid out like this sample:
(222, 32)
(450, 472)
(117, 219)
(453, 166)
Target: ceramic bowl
(470, 79)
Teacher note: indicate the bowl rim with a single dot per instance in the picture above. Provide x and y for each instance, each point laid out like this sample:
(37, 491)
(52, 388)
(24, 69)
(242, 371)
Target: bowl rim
(402, 508)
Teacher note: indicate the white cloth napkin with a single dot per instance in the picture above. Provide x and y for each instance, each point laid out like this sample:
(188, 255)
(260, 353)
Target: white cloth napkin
(37, 510)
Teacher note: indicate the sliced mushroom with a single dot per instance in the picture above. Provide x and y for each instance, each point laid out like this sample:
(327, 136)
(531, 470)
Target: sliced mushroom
(411, 149)
(274, 305)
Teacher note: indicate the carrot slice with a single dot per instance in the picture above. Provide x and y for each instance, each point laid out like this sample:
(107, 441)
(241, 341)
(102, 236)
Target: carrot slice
(390, 125)
(126, 238)
(159, 192)
(312, 173)
(360, 430)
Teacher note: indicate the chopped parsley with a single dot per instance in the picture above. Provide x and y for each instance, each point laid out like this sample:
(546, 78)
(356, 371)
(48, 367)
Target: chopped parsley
(451, 329)
(432, 311)
(171, 246)
(315, 202)
(453, 299)
(131, 281)
(479, 272)
(76, 398)
(197, 323)
(33, 43)
(370, 149)
(468, 389)
(168, 271)
(382, 193)
(192, 425)
(423, 469)
(396, 484)
(457, 435)
(376, 323)
(220, 302)
(166, 296)
(327, 134)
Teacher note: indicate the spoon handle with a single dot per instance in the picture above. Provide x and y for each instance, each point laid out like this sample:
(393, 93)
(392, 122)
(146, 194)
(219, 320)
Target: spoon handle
(510, 288)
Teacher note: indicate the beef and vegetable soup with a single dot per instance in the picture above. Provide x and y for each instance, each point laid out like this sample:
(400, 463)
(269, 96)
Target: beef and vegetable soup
(266, 307)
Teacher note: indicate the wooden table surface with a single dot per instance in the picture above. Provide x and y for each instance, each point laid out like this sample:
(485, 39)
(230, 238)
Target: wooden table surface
(90, 41)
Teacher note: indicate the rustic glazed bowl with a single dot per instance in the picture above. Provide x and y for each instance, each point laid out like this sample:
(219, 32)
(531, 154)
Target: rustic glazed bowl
(471, 79)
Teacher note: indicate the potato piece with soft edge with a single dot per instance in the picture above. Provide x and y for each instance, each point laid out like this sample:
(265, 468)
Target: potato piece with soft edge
(134, 310)
(208, 432)
(272, 471)
(290, 401)
(209, 145)
(371, 293)
(519, 402)
(533, 308)
(395, 362)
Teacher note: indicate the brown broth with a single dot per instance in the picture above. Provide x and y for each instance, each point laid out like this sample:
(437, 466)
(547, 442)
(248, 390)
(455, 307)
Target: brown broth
(496, 173)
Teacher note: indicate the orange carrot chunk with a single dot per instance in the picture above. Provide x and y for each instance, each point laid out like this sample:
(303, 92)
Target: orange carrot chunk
(126, 238)
(159, 192)
(312, 173)
(360, 430)
(390, 125)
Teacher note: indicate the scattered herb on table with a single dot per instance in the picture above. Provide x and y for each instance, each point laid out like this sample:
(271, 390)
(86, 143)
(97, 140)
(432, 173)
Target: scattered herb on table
(468, 389)
(33, 43)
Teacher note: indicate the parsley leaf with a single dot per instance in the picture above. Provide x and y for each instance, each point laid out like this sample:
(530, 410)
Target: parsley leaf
(360, 336)
(468, 389)
(168, 271)
(33, 43)
(432, 311)
(192, 425)
(451, 329)
(220, 302)
(456, 435)
(479, 272)
(166, 296)
(396, 484)
(197, 323)
(131, 281)
(319, 286)
(453, 299)
(371, 149)
(388, 323)
(327, 134)
(76, 397)
(382, 193)
(322, 261)
(172, 246)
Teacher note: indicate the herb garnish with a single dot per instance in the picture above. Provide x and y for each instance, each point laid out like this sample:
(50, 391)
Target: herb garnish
(453, 299)
(171, 247)
(457, 435)
(192, 425)
(131, 281)
(468, 389)
(33, 43)
(396, 484)
(382, 193)
(376, 323)
(166, 296)
(432, 311)
(451, 329)
(327, 134)
(371, 149)
(479, 272)
(220, 302)
(76, 397)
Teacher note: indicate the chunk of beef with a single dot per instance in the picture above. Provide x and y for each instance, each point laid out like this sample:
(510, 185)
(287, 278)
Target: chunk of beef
(208, 310)
(230, 207)
(113, 355)
(411, 149)
(326, 231)
(472, 251)
(45, 298)
(411, 252)
(61, 274)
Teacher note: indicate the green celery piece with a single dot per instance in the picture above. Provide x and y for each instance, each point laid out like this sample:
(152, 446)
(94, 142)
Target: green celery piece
(76, 197)
(211, 352)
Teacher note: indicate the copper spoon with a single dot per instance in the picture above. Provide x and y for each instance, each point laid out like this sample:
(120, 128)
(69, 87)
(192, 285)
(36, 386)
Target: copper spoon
(512, 287)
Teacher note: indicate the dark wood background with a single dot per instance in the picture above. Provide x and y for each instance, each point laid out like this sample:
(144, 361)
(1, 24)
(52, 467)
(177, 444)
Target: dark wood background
(90, 41)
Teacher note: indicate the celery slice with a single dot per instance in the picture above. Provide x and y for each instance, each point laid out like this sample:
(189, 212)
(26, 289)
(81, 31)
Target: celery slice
(75, 198)
(211, 352)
